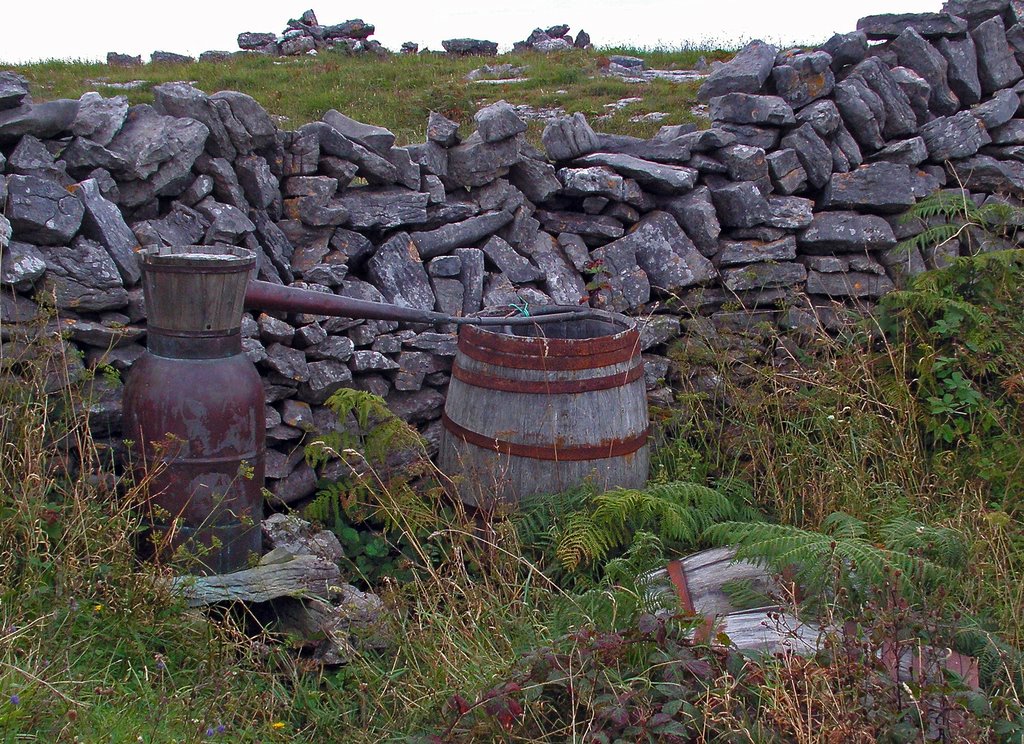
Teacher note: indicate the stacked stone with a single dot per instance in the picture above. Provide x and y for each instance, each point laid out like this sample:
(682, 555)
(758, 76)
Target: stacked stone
(787, 205)
(304, 34)
(553, 39)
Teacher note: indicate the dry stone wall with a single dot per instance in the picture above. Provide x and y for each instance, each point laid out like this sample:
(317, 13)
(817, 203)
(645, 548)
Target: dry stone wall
(781, 215)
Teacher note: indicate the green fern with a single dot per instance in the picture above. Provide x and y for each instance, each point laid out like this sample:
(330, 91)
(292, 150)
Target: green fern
(913, 556)
(581, 529)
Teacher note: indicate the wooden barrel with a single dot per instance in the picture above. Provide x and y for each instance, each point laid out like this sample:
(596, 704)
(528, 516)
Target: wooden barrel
(541, 408)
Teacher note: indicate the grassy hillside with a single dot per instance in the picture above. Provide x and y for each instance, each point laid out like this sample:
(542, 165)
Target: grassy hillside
(398, 92)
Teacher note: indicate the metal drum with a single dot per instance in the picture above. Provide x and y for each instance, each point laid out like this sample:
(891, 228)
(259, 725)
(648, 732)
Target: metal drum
(193, 408)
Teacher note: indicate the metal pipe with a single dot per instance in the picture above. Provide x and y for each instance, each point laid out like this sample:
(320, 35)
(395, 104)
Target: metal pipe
(262, 295)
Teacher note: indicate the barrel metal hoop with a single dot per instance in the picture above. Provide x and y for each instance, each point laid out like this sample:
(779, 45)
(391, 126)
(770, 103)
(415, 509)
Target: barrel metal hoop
(627, 338)
(611, 448)
(522, 360)
(546, 387)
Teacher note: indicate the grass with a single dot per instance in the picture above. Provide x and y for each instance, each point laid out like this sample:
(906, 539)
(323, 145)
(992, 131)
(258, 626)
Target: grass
(397, 92)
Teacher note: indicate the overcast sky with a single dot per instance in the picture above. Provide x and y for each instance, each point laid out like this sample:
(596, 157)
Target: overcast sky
(88, 29)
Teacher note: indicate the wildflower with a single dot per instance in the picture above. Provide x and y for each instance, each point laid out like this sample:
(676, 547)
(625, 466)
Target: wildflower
(277, 725)
(209, 731)
(15, 699)
(221, 728)
(97, 608)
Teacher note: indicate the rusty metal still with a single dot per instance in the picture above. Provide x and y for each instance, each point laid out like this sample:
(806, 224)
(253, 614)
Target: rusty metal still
(193, 404)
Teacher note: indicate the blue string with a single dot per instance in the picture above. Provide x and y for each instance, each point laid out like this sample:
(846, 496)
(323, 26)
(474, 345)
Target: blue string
(523, 311)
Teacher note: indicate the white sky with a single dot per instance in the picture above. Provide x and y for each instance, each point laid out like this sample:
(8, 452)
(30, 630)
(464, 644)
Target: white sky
(88, 29)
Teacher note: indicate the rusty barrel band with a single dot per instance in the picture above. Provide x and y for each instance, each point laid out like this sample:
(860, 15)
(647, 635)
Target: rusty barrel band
(546, 387)
(523, 360)
(613, 448)
(626, 338)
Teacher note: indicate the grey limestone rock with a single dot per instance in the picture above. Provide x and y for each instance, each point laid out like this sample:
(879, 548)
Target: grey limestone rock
(535, 178)
(882, 187)
(789, 212)
(477, 163)
(184, 100)
(823, 116)
(962, 71)
(397, 271)
(442, 130)
(744, 163)
(623, 284)
(915, 53)
(82, 277)
(378, 139)
(813, 153)
(248, 125)
(591, 227)
(13, 89)
(170, 58)
(863, 112)
(695, 212)
(104, 223)
(498, 121)
(845, 232)
(998, 110)
(123, 60)
(459, 234)
(760, 276)
(733, 252)
(911, 151)
(746, 108)
(846, 49)
(997, 67)
(259, 185)
(986, 174)
(253, 40)
(656, 177)
(928, 25)
(595, 181)
(674, 150)
(467, 47)
(159, 149)
(561, 280)
(787, 174)
(740, 204)
(952, 137)
(41, 211)
(98, 118)
(666, 254)
(21, 264)
(917, 91)
(42, 120)
(747, 72)
(802, 78)
(228, 224)
(569, 137)
(900, 119)
(384, 210)
(848, 284)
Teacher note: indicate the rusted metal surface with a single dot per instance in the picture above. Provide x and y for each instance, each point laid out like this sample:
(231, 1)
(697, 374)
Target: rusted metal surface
(193, 410)
(554, 452)
(265, 296)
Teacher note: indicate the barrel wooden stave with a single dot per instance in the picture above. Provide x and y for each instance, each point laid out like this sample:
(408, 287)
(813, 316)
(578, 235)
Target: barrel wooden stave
(556, 424)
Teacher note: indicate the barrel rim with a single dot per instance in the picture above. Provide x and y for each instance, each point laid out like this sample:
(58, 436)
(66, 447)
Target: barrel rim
(218, 258)
(494, 340)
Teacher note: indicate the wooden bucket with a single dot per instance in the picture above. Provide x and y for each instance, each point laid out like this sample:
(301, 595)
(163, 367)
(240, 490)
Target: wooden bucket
(541, 408)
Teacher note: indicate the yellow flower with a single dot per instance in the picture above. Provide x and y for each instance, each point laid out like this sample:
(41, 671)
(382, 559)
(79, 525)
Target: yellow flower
(97, 608)
(277, 725)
